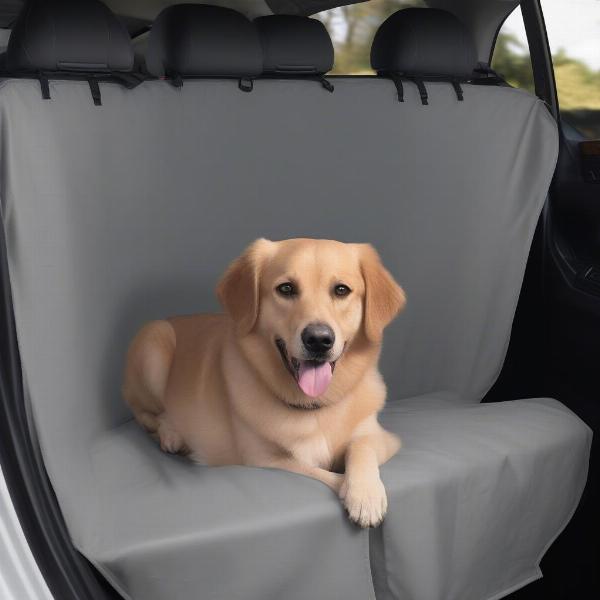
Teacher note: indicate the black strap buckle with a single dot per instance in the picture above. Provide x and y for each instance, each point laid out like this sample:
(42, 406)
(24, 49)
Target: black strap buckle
(246, 84)
(422, 90)
(129, 80)
(458, 89)
(326, 83)
(399, 86)
(175, 80)
(95, 90)
(44, 85)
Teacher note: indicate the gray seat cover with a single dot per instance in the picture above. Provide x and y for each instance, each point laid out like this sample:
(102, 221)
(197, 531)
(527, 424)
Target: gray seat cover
(477, 496)
(120, 213)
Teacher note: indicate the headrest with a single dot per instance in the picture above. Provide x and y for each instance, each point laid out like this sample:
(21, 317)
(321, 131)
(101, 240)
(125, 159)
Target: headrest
(197, 40)
(294, 45)
(68, 35)
(424, 41)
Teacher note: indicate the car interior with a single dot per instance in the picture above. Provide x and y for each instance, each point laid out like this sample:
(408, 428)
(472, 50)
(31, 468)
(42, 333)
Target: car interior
(143, 145)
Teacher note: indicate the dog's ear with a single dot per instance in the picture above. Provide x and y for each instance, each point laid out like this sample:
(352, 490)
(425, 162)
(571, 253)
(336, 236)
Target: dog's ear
(239, 288)
(384, 298)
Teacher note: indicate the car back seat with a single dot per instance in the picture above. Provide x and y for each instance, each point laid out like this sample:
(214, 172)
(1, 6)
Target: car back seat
(128, 211)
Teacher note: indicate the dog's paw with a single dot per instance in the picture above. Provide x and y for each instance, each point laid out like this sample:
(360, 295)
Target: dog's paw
(170, 440)
(364, 501)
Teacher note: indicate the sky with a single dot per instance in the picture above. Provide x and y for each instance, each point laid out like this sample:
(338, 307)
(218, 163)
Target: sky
(571, 24)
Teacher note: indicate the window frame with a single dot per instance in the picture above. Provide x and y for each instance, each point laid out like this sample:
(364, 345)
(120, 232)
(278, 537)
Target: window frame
(539, 52)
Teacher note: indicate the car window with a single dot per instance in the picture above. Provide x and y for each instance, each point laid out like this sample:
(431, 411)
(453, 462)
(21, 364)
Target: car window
(574, 34)
(4, 35)
(511, 59)
(352, 29)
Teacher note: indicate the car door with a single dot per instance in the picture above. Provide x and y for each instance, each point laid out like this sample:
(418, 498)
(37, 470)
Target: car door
(571, 274)
(555, 344)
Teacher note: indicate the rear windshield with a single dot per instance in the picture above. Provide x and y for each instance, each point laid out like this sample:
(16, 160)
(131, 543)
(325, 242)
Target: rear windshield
(352, 29)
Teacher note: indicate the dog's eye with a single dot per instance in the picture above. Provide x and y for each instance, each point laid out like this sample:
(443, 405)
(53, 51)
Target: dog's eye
(287, 289)
(341, 290)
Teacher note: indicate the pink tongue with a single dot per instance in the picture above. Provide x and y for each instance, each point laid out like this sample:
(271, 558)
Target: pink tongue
(314, 378)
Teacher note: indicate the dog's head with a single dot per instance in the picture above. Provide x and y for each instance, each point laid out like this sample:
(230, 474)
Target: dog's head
(309, 302)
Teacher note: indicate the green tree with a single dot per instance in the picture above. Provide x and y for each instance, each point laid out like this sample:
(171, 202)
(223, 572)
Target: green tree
(578, 85)
(511, 61)
(353, 28)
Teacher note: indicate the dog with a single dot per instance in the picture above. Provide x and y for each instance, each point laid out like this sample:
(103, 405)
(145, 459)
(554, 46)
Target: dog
(287, 378)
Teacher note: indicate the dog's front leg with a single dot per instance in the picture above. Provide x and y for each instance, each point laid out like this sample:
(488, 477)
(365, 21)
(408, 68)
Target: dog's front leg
(333, 480)
(362, 491)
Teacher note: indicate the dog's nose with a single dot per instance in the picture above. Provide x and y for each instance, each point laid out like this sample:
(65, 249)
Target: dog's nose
(318, 338)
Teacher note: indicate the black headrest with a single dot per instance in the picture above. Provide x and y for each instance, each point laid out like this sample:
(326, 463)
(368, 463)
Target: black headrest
(424, 41)
(294, 45)
(197, 40)
(68, 35)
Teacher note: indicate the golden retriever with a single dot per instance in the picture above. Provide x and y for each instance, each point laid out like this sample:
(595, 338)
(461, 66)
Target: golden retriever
(287, 377)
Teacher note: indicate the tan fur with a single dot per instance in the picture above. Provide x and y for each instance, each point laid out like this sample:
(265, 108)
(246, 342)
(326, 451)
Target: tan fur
(215, 386)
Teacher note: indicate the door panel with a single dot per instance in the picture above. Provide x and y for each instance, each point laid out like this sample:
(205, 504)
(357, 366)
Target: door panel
(555, 343)
(571, 274)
